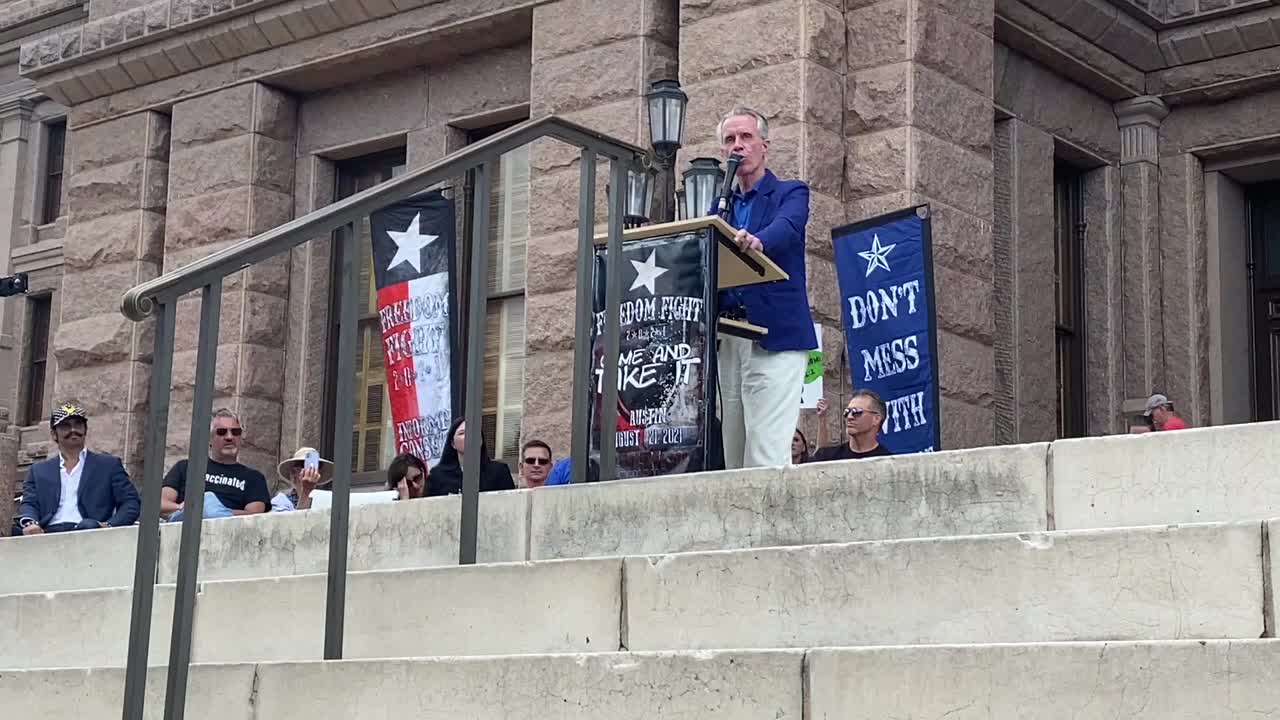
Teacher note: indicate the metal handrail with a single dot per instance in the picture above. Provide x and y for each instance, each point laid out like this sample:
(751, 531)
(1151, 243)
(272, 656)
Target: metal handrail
(158, 299)
(138, 302)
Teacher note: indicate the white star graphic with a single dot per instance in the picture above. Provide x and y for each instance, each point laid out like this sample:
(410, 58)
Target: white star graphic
(409, 245)
(876, 256)
(646, 273)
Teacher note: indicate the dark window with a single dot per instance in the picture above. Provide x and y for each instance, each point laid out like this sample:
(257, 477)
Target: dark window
(1068, 247)
(372, 444)
(40, 308)
(504, 351)
(54, 151)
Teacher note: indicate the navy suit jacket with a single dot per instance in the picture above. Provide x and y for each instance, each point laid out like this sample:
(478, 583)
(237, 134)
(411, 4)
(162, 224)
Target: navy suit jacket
(779, 214)
(106, 494)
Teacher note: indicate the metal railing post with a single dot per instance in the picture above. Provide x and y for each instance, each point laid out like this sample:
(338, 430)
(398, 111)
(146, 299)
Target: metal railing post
(344, 420)
(580, 443)
(184, 600)
(477, 317)
(612, 330)
(144, 568)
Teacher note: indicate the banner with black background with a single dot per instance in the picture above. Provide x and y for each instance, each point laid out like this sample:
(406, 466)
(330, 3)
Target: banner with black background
(663, 356)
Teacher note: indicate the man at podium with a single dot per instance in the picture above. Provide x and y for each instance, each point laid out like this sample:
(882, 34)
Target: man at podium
(761, 380)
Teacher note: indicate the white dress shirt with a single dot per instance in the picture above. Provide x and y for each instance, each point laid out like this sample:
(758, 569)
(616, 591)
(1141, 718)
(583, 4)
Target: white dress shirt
(69, 503)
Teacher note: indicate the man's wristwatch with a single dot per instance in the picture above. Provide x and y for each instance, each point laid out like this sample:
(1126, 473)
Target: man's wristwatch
(25, 523)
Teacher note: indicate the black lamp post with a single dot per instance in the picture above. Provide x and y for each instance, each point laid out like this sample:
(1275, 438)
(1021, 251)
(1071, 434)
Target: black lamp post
(667, 104)
(639, 200)
(701, 182)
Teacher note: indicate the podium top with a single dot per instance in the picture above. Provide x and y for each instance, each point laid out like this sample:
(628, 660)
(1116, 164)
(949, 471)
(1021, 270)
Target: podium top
(737, 268)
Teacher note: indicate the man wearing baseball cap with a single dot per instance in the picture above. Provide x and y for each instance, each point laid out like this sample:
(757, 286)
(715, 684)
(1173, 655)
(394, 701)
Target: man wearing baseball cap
(76, 489)
(1162, 416)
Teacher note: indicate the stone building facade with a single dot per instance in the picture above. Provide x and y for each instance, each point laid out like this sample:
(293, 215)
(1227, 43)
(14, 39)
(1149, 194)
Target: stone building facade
(1097, 172)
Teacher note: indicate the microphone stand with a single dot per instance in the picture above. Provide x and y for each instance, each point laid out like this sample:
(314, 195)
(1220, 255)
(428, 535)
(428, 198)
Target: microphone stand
(723, 210)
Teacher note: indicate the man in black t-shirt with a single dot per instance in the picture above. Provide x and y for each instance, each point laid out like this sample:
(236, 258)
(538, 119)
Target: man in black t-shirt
(230, 487)
(863, 419)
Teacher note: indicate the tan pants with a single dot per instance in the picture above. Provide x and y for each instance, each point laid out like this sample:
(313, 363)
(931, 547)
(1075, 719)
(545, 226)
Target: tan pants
(759, 402)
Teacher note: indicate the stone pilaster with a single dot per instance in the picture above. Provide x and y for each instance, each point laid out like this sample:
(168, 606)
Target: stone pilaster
(918, 129)
(1144, 366)
(1184, 286)
(1103, 307)
(786, 59)
(232, 178)
(17, 130)
(118, 175)
(593, 62)
(1025, 334)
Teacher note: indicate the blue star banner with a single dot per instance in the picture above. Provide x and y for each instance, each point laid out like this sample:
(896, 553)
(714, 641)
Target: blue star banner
(884, 266)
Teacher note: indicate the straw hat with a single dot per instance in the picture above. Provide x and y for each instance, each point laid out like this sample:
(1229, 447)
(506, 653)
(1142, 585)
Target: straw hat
(284, 469)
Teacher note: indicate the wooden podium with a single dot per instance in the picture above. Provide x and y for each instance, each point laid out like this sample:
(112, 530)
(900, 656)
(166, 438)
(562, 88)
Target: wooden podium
(667, 364)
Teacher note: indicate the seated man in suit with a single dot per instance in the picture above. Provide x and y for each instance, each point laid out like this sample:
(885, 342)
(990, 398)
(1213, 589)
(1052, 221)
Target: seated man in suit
(760, 381)
(77, 489)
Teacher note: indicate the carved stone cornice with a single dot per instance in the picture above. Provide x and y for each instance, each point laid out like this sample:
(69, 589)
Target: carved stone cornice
(1139, 121)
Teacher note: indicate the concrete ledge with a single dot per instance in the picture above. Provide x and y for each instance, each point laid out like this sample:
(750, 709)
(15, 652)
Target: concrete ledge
(1085, 681)
(480, 610)
(1202, 581)
(1199, 475)
(213, 693)
(391, 536)
(78, 628)
(68, 561)
(990, 490)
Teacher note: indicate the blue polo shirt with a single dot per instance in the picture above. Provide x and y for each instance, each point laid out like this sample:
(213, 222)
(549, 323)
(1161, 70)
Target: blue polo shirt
(743, 204)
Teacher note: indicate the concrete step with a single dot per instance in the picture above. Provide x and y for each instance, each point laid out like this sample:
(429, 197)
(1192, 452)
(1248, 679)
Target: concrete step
(1211, 680)
(1153, 583)
(989, 490)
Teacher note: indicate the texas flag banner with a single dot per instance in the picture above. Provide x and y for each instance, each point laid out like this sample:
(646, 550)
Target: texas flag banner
(413, 259)
(885, 269)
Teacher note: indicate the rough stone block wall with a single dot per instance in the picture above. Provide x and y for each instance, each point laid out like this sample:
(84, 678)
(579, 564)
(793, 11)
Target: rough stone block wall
(232, 178)
(1184, 286)
(918, 129)
(592, 62)
(1104, 293)
(116, 195)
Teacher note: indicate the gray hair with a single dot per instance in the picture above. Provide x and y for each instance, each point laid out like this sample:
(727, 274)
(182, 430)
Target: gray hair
(762, 125)
(223, 413)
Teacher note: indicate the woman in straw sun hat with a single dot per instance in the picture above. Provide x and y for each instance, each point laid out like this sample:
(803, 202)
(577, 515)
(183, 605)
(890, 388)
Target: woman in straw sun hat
(302, 473)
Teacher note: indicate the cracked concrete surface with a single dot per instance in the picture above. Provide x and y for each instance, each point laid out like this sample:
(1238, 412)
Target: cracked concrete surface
(68, 561)
(1197, 475)
(1201, 581)
(956, 493)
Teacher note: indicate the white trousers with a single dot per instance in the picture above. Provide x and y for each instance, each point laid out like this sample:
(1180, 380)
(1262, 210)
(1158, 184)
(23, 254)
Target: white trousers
(759, 402)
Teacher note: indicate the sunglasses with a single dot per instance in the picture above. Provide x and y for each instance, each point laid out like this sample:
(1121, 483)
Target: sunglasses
(537, 461)
(235, 432)
(413, 477)
(857, 412)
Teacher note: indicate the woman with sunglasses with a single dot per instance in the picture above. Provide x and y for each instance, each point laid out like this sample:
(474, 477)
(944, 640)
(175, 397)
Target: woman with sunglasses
(408, 475)
(863, 419)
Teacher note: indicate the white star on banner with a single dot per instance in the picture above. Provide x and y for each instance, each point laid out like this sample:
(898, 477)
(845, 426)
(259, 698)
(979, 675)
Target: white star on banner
(409, 245)
(876, 256)
(646, 273)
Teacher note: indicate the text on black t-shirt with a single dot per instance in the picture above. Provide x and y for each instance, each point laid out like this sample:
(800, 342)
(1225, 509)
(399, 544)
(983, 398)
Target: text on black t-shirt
(235, 485)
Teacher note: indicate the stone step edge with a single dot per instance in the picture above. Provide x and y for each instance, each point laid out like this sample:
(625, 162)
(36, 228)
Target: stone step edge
(1025, 536)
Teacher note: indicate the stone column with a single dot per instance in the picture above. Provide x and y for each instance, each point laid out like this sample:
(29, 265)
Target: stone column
(918, 129)
(593, 62)
(785, 59)
(1025, 349)
(1103, 307)
(232, 178)
(16, 132)
(1184, 286)
(118, 174)
(1144, 368)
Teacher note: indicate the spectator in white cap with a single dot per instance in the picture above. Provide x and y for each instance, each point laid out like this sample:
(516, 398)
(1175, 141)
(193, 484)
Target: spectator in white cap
(302, 473)
(1160, 410)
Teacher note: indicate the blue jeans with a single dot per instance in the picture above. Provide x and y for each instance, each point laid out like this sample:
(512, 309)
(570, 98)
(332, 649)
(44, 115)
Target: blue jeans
(213, 508)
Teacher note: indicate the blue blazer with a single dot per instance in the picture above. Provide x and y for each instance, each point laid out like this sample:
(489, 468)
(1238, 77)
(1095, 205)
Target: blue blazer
(779, 214)
(106, 494)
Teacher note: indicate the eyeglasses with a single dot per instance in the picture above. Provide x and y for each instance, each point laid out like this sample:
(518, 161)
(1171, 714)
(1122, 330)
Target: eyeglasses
(235, 432)
(857, 412)
(537, 461)
(415, 477)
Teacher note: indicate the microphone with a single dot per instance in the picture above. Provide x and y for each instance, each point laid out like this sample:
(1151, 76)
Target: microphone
(726, 190)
